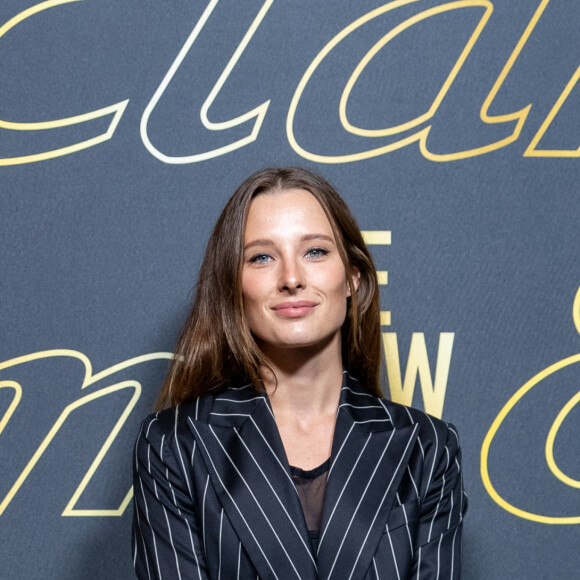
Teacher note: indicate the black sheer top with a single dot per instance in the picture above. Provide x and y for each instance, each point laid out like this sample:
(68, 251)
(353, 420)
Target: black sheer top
(311, 486)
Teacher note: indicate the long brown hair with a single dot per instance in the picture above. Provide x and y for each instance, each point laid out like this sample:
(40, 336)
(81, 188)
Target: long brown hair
(216, 348)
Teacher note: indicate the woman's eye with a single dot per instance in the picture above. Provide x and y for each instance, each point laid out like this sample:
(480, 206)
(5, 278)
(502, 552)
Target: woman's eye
(316, 253)
(260, 258)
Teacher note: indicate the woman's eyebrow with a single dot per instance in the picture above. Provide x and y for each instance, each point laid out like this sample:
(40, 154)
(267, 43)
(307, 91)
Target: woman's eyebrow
(304, 238)
(309, 237)
(259, 242)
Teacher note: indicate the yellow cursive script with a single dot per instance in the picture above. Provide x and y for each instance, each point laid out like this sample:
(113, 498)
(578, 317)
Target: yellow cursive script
(516, 398)
(89, 379)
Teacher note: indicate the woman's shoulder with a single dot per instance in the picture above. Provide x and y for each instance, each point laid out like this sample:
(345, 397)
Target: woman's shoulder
(437, 440)
(172, 420)
(399, 415)
(402, 415)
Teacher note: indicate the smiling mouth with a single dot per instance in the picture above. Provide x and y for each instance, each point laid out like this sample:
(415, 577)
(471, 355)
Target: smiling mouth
(294, 309)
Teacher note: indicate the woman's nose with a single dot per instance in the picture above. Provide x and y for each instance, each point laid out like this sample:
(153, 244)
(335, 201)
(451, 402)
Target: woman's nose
(291, 275)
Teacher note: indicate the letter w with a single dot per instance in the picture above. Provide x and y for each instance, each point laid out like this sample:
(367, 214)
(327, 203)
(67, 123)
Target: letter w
(418, 364)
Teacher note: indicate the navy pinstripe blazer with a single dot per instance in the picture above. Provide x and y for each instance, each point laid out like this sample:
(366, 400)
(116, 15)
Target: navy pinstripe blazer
(214, 498)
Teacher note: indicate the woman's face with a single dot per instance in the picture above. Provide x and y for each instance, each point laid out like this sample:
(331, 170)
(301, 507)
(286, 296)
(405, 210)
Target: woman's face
(293, 279)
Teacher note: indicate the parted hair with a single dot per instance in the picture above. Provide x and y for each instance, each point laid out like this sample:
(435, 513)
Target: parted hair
(216, 348)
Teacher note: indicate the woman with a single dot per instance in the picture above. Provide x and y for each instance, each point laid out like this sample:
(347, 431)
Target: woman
(275, 455)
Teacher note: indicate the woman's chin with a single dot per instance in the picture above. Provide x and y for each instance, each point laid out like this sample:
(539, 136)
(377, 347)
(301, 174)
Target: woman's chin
(300, 344)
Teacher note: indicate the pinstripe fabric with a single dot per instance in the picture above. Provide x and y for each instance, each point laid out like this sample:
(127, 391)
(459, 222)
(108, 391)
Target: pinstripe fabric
(214, 496)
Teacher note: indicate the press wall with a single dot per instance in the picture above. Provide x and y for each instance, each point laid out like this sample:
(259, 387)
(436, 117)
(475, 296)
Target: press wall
(452, 129)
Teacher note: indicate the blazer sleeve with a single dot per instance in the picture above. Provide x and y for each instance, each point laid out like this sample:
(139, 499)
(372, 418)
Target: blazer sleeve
(438, 552)
(167, 539)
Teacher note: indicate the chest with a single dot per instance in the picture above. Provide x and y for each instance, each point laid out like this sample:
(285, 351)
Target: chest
(307, 444)
(250, 514)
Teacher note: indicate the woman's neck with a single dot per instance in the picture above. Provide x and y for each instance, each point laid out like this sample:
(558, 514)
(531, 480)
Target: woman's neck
(304, 392)
(304, 382)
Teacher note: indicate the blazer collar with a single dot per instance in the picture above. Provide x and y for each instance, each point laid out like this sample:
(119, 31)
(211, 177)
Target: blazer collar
(369, 457)
(247, 464)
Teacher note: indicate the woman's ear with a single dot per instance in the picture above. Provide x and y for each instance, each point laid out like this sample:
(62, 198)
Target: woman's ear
(355, 279)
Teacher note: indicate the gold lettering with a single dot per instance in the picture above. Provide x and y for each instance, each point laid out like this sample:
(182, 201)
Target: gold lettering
(552, 437)
(549, 448)
(418, 364)
(519, 394)
(380, 238)
(115, 110)
(15, 401)
(519, 117)
(421, 134)
(532, 150)
(516, 119)
(89, 379)
(255, 116)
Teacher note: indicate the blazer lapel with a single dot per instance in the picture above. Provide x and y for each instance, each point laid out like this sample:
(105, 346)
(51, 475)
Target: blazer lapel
(249, 471)
(368, 459)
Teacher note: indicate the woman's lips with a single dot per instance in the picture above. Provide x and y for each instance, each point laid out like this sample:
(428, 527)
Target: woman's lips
(294, 309)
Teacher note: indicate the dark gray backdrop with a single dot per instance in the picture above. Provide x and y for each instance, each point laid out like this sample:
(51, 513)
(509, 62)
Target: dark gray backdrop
(463, 145)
